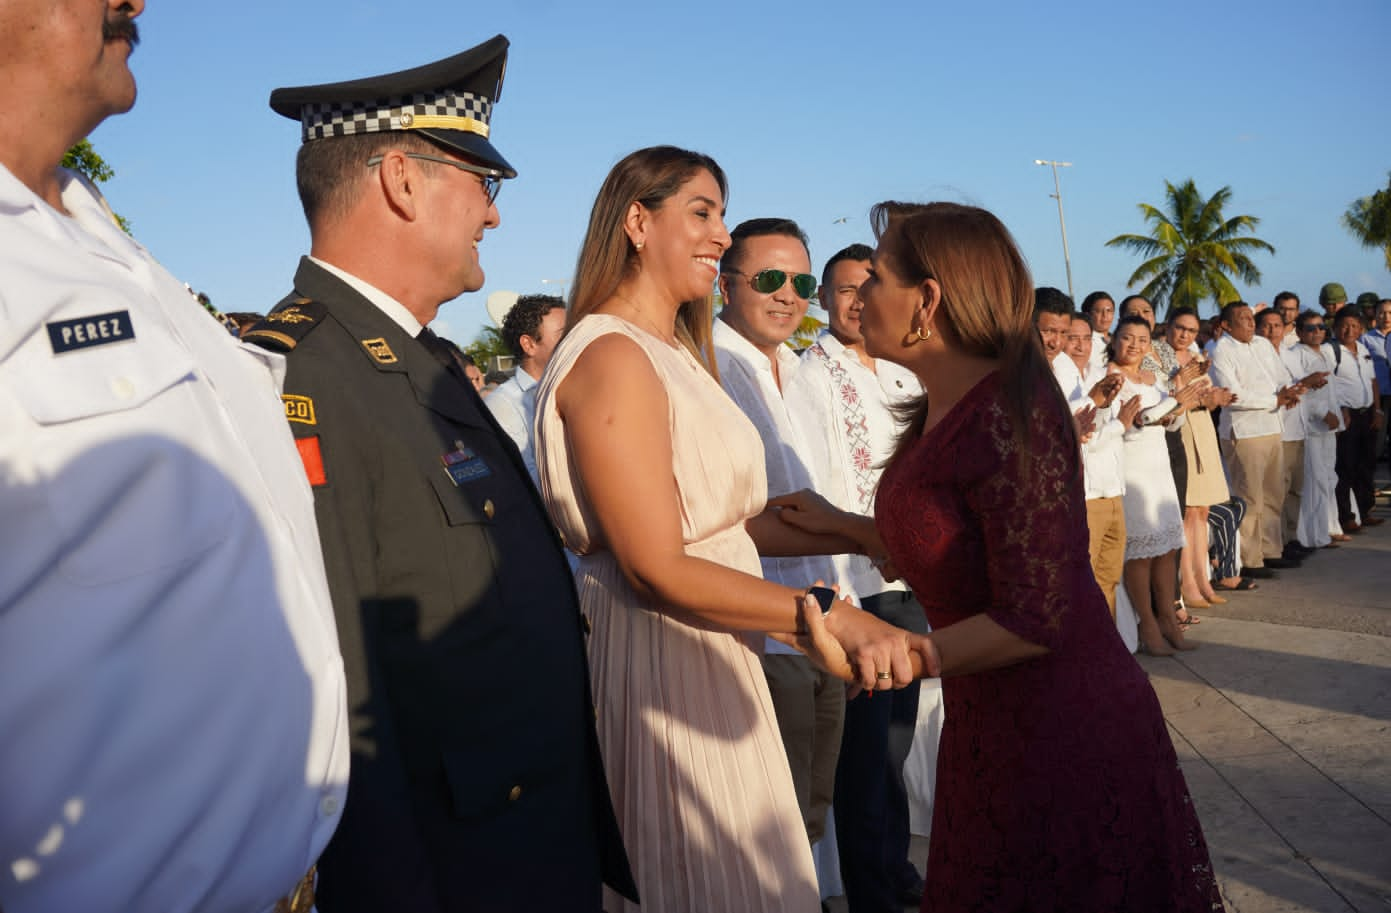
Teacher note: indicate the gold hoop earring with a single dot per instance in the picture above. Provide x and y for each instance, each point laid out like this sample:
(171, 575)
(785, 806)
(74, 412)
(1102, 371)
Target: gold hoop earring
(917, 336)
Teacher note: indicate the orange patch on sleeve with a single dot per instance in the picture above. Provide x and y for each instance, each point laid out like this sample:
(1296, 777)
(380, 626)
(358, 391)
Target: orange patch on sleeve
(313, 459)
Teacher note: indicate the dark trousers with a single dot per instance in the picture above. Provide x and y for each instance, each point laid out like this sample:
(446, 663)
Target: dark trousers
(1356, 464)
(1384, 439)
(871, 798)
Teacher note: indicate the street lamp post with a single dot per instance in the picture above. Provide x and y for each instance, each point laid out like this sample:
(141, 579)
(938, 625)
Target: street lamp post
(560, 282)
(1057, 194)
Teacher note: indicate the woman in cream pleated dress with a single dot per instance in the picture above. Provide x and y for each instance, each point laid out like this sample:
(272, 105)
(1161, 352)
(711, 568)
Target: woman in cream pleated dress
(655, 478)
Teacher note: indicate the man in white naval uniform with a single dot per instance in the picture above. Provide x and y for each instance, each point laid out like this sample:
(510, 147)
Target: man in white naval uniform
(173, 713)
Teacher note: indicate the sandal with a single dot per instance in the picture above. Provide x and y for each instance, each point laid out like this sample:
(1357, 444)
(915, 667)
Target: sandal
(1186, 618)
(1246, 584)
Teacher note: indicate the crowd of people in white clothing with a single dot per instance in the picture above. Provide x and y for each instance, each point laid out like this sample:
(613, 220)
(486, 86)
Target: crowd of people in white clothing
(1218, 452)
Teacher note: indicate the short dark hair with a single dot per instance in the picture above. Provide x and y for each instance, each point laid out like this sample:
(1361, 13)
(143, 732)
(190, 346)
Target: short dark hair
(1089, 302)
(524, 319)
(1129, 298)
(1285, 296)
(1229, 309)
(853, 252)
(1269, 312)
(328, 171)
(1049, 300)
(1185, 311)
(758, 228)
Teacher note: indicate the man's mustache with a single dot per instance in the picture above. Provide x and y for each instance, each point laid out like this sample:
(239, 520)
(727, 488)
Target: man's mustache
(121, 26)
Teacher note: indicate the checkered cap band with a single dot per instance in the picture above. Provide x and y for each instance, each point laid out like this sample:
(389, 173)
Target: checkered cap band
(327, 119)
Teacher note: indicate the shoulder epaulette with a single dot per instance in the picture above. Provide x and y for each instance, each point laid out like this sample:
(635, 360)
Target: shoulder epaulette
(283, 328)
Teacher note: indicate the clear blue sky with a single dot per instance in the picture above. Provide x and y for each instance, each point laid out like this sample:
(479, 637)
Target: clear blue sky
(815, 110)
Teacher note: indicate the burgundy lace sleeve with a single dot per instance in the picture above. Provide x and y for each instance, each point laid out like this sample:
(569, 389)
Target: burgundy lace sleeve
(1033, 520)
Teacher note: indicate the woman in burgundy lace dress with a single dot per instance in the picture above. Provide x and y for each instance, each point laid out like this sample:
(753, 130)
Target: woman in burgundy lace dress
(1057, 785)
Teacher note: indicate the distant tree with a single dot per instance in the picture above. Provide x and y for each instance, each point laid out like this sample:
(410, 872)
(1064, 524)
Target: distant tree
(485, 345)
(1192, 249)
(1369, 220)
(83, 159)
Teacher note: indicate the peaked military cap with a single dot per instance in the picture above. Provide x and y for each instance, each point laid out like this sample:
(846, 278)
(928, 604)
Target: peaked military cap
(449, 101)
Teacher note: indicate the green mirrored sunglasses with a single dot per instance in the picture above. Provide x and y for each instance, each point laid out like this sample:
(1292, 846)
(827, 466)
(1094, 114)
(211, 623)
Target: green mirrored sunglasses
(768, 281)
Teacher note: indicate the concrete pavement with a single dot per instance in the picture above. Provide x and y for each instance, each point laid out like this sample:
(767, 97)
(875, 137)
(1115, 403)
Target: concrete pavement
(1282, 722)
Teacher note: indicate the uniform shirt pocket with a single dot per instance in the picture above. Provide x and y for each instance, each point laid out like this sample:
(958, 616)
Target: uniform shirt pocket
(121, 443)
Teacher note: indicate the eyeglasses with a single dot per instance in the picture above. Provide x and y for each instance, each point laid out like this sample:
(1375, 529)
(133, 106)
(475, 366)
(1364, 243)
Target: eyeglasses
(768, 281)
(1179, 328)
(491, 178)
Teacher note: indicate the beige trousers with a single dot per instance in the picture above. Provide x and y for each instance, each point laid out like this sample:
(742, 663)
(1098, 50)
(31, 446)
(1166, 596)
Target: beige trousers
(1294, 488)
(1255, 466)
(1106, 545)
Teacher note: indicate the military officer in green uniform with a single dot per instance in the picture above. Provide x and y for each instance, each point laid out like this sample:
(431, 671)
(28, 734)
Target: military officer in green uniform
(476, 779)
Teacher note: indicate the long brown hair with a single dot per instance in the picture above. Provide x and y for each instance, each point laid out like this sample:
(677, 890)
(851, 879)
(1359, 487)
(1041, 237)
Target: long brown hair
(648, 176)
(987, 299)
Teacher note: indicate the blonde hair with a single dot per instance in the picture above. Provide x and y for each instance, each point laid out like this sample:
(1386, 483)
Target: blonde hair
(648, 176)
(987, 300)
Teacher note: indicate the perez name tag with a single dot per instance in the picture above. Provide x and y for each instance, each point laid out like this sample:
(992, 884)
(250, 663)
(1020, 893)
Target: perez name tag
(85, 332)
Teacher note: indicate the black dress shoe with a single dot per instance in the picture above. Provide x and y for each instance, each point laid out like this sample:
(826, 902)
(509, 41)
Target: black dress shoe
(1282, 564)
(911, 894)
(1258, 573)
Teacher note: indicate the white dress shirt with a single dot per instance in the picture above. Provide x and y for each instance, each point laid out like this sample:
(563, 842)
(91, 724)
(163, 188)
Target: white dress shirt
(747, 377)
(1253, 371)
(1353, 374)
(513, 404)
(1103, 455)
(841, 454)
(173, 708)
(1315, 404)
(1295, 421)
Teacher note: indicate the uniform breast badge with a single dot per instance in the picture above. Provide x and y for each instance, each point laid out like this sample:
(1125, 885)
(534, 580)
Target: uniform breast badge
(463, 465)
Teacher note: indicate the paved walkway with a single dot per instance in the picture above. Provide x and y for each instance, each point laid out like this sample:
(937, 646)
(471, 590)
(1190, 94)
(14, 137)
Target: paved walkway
(1282, 721)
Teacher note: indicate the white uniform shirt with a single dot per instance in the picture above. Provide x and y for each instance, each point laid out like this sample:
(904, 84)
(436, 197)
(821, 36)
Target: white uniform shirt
(173, 706)
(1253, 371)
(1103, 469)
(1353, 374)
(513, 404)
(1099, 355)
(747, 377)
(1315, 404)
(821, 409)
(1295, 421)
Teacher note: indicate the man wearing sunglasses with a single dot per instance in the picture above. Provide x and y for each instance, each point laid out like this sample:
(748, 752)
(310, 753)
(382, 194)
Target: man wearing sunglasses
(766, 283)
(476, 781)
(1318, 511)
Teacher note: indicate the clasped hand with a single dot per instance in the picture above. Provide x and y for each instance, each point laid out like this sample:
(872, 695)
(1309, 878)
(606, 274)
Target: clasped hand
(859, 648)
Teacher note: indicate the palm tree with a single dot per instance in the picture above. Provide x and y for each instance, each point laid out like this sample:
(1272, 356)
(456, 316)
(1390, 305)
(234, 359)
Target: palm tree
(1192, 249)
(1369, 220)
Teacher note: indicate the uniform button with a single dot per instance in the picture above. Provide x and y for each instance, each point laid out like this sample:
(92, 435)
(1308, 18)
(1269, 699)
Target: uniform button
(488, 509)
(514, 794)
(328, 806)
(123, 388)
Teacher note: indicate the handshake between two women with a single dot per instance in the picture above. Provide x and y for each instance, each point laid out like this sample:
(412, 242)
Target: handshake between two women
(846, 641)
